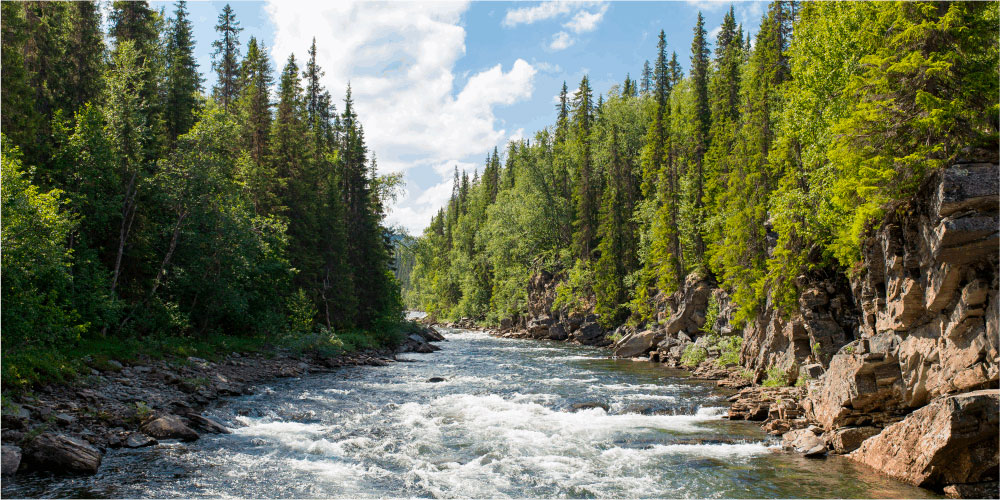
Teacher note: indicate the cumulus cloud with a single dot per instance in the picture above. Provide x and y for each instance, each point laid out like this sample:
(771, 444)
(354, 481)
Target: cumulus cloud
(585, 21)
(400, 58)
(561, 41)
(540, 12)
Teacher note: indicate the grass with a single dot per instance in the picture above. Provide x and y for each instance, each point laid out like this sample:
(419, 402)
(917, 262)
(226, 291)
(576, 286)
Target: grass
(26, 368)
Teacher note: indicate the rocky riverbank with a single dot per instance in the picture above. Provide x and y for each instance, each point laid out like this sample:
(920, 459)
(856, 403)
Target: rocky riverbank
(68, 427)
(895, 367)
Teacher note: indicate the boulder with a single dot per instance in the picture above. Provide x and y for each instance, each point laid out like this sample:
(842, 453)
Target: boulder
(206, 424)
(558, 332)
(590, 333)
(10, 460)
(848, 439)
(986, 489)
(62, 453)
(637, 343)
(139, 440)
(804, 441)
(169, 427)
(435, 379)
(951, 440)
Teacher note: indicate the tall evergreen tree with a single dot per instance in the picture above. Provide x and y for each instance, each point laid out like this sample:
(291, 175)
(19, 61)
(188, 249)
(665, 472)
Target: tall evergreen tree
(585, 195)
(226, 57)
(183, 82)
(700, 141)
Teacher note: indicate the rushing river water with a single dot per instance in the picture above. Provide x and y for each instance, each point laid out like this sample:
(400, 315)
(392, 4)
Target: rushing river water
(500, 425)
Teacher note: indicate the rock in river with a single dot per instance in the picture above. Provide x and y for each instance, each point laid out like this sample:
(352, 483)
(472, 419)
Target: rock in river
(169, 427)
(62, 453)
(952, 440)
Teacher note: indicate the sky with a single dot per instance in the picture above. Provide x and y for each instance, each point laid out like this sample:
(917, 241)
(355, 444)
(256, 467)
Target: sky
(437, 85)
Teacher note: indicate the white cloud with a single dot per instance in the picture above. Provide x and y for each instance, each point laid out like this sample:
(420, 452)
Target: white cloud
(540, 12)
(561, 41)
(400, 59)
(585, 21)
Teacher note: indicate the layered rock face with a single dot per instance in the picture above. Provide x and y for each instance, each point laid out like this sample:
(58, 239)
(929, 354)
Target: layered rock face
(541, 322)
(928, 337)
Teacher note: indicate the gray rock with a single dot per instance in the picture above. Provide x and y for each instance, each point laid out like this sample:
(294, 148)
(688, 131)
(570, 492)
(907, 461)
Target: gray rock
(62, 453)
(589, 405)
(10, 459)
(64, 419)
(206, 424)
(638, 343)
(169, 427)
(139, 440)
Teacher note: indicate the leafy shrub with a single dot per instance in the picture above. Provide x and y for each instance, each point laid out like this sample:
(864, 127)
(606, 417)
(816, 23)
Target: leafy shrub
(693, 355)
(711, 315)
(729, 351)
(776, 377)
(573, 292)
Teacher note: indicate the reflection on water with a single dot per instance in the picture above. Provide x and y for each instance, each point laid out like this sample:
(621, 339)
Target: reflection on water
(500, 425)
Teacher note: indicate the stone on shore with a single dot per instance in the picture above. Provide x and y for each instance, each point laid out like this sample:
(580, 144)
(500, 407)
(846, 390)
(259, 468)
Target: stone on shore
(10, 460)
(62, 453)
(637, 343)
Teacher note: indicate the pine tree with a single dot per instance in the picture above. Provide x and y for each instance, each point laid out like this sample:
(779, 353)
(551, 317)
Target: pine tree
(702, 123)
(254, 101)
(137, 23)
(225, 59)
(183, 83)
(86, 54)
(646, 84)
(586, 192)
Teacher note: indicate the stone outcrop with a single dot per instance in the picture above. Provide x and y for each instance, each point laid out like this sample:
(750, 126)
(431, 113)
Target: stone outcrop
(952, 440)
(62, 453)
(926, 292)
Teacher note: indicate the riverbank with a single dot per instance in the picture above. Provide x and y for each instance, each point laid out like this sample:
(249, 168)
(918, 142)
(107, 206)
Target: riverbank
(484, 417)
(68, 427)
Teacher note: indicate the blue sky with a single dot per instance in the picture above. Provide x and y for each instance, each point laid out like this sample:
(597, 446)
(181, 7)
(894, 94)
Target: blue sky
(439, 84)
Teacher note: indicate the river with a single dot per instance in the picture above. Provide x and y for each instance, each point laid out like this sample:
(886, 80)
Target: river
(500, 425)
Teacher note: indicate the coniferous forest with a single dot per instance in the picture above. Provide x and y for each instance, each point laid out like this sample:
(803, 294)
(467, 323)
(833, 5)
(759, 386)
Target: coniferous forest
(143, 211)
(764, 163)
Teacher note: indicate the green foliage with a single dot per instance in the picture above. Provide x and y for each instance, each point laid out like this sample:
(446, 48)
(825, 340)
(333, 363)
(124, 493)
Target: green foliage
(711, 315)
(147, 221)
(775, 377)
(729, 350)
(693, 355)
(574, 292)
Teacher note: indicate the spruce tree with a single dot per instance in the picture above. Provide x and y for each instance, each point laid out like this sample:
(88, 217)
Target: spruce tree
(225, 59)
(702, 123)
(586, 191)
(183, 82)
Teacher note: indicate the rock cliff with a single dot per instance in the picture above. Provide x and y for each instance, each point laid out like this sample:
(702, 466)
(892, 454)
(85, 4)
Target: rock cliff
(896, 363)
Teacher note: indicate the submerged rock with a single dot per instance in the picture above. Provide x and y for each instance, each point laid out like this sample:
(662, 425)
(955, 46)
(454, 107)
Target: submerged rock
(206, 424)
(436, 379)
(589, 405)
(952, 440)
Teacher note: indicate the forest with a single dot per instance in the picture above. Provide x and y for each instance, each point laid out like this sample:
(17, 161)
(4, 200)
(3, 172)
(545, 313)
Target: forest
(145, 213)
(764, 163)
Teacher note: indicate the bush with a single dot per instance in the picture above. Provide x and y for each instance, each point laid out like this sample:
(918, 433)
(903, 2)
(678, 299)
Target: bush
(729, 351)
(573, 292)
(711, 315)
(776, 377)
(693, 355)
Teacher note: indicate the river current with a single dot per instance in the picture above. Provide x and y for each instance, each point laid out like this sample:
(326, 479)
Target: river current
(501, 424)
